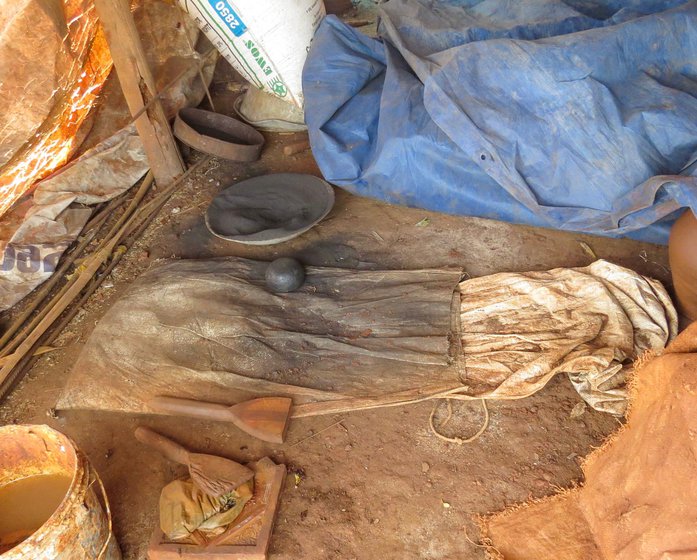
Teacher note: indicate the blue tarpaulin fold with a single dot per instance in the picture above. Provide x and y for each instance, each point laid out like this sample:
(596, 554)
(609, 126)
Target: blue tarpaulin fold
(576, 115)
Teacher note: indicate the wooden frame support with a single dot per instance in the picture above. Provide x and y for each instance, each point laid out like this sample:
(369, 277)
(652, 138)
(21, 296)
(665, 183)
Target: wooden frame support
(139, 89)
(254, 525)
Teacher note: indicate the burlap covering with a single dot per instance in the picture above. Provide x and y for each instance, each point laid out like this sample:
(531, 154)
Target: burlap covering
(638, 500)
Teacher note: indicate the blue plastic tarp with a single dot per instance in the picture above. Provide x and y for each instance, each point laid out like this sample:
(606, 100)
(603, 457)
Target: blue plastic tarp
(576, 115)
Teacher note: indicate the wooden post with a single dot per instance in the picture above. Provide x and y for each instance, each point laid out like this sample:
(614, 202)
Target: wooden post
(138, 87)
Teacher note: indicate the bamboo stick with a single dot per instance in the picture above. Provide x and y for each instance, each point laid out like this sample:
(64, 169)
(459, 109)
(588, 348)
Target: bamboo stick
(43, 292)
(142, 191)
(41, 350)
(139, 219)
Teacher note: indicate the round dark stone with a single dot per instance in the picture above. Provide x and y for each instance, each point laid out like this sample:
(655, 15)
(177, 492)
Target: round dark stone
(284, 275)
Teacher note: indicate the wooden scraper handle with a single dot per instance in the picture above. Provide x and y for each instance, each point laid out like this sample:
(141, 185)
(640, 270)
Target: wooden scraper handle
(265, 418)
(189, 407)
(170, 449)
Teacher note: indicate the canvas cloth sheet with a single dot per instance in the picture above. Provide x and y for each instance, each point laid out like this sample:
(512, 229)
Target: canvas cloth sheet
(520, 330)
(208, 329)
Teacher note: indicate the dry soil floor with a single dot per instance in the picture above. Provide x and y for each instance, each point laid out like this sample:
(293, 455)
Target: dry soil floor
(369, 485)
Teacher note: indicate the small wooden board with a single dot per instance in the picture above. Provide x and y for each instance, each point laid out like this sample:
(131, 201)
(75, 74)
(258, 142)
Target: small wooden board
(248, 538)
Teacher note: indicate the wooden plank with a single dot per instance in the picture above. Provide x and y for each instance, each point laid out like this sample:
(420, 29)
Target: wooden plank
(139, 89)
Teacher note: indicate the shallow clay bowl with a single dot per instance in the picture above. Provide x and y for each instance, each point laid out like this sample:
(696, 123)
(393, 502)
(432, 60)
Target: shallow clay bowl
(269, 209)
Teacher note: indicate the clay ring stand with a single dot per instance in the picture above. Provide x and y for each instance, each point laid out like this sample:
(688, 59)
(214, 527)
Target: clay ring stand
(218, 135)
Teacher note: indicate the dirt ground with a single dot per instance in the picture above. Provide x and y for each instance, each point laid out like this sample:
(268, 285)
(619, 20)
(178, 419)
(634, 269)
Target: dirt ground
(366, 485)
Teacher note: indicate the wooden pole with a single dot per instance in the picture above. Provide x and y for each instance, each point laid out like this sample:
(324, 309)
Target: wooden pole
(139, 89)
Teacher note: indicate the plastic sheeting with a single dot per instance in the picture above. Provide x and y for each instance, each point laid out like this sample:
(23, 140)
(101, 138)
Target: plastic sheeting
(565, 114)
(38, 236)
(35, 233)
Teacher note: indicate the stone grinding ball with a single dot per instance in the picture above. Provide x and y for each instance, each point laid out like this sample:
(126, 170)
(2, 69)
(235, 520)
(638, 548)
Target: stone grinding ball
(284, 275)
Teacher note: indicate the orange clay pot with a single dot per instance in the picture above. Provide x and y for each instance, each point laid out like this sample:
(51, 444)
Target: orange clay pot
(682, 252)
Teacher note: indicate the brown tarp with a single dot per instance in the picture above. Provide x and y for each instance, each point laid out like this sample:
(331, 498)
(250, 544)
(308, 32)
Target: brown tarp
(352, 339)
(638, 499)
(53, 62)
(209, 329)
(28, 81)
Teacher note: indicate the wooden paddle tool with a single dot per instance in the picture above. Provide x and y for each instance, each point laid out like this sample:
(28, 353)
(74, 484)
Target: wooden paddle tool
(214, 475)
(265, 418)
